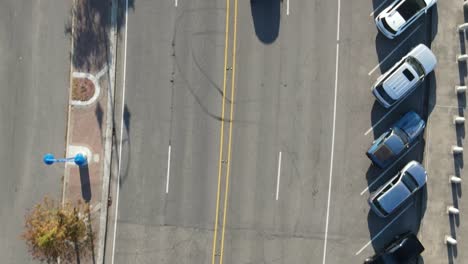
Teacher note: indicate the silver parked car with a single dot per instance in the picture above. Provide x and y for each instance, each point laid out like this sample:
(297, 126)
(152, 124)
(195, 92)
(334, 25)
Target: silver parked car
(404, 76)
(392, 194)
(400, 14)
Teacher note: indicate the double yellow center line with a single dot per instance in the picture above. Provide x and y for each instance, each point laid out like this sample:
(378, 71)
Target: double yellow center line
(221, 141)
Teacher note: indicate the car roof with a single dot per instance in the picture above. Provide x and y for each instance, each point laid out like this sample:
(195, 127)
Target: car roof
(392, 198)
(425, 56)
(397, 84)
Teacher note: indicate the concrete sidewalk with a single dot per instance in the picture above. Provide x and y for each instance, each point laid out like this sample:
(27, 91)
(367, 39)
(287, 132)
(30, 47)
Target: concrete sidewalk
(441, 135)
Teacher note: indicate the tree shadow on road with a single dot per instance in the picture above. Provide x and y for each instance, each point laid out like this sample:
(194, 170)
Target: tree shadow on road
(89, 30)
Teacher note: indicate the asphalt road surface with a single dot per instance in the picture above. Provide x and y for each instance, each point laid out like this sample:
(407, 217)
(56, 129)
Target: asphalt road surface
(34, 70)
(264, 122)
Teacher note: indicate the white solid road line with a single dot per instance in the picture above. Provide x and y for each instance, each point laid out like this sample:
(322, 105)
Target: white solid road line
(391, 166)
(371, 14)
(121, 132)
(333, 131)
(381, 231)
(395, 49)
(278, 177)
(168, 174)
(175, 3)
(287, 7)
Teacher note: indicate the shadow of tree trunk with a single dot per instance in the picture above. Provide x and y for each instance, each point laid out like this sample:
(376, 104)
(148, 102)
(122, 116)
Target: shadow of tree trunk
(91, 235)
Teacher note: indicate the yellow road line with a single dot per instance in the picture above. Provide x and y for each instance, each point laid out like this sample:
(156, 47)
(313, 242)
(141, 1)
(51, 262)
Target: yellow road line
(221, 139)
(233, 88)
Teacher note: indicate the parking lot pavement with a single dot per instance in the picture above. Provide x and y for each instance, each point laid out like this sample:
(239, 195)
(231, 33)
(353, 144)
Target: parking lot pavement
(354, 231)
(441, 134)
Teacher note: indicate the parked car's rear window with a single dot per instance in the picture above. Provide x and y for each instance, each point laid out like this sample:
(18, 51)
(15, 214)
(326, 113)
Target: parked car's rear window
(384, 94)
(379, 207)
(410, 7)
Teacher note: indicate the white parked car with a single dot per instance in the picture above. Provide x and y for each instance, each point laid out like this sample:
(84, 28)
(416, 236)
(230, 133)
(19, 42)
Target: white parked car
(404, 76)
(399, 15)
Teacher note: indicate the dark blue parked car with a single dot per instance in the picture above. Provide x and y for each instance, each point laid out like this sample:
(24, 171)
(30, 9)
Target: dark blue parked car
(399, 137)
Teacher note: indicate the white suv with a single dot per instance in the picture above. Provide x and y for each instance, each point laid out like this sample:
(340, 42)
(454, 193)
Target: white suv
(404, 76)
(394, 19)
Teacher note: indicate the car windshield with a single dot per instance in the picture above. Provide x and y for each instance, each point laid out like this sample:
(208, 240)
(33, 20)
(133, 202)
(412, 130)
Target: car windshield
(409, 182)
(401, 135)
(384, 95)
(410, 7)
(416, 66)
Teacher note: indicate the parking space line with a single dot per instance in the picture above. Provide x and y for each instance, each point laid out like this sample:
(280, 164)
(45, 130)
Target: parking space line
(391, 166)
(395, 49)
(278, 177)
(381, 231)
(168, 174)
(389, 112)
(175, 3)
(371, 14)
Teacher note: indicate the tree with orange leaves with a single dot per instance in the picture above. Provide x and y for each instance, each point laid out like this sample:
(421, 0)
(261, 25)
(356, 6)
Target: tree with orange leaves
(54, 231)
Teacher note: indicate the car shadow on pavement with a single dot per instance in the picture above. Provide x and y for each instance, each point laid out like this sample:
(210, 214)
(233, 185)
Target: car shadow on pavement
(266, 16)
(410, 219)
(85, 183)
(432, 24)
(374, 175)
(390, 51)
(407, 218)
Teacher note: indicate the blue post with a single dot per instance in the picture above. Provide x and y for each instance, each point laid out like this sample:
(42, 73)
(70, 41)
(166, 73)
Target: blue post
(79, 159)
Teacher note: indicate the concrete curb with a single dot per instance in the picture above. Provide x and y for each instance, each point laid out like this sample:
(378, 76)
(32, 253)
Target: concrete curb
(108, 133)
(66, 173)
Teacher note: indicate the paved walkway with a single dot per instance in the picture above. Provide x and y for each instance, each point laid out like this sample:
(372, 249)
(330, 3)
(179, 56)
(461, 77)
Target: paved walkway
(441, 135)
(90, 130)
(86, 130)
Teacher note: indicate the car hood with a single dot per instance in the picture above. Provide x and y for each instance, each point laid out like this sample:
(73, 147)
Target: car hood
(412, 124)
(394, 20)
(394, 197)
